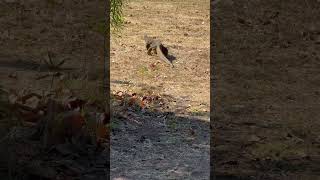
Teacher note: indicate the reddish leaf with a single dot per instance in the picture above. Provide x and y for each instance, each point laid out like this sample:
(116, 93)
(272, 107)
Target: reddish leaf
(71, 127)
(132, 101)
(73, 124)
(102, 131)
(142, 104)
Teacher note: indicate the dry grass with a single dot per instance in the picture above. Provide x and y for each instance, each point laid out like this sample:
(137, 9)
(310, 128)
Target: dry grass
(181, 27)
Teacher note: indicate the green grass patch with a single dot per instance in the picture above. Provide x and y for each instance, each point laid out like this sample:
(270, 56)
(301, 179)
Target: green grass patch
(143, 71)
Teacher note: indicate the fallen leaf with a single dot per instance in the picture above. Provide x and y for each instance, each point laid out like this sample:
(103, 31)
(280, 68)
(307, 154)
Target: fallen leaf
(102, 132)
(132, 101)
(73, 124)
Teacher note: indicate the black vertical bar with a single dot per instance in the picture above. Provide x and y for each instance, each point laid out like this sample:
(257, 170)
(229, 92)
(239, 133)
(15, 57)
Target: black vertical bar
(212, 87)
(106, 80)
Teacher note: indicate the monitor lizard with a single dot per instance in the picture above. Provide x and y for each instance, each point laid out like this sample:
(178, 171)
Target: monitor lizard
(154, 46)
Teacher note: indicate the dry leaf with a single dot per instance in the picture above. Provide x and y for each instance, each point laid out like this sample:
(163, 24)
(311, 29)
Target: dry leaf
(132, 101)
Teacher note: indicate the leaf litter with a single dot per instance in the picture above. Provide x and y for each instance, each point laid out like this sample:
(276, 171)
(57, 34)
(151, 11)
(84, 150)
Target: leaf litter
(52, 139)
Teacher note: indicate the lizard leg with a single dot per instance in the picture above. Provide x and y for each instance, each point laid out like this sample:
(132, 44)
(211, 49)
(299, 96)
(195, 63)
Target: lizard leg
(154, 51)
(149, 51)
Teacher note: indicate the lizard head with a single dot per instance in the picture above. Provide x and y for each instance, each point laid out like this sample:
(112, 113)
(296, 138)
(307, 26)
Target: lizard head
(145, 36)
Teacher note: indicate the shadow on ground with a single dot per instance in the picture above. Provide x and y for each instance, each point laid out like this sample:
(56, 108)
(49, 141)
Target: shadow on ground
(155, 144)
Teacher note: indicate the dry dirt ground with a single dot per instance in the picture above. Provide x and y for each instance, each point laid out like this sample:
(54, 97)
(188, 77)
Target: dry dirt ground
(70, 30)
(266, 58)
(184, 28)
(170, 142)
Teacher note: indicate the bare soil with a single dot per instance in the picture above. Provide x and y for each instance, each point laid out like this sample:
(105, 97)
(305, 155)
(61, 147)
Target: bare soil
(70, 30)
(169, 140)
(266, 96)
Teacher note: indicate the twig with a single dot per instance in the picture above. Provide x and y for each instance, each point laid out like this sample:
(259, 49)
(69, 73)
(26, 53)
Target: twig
(61, 62)
(50, 59)
(48, 74)
(51, 84)
(51, 64)
(42, 76)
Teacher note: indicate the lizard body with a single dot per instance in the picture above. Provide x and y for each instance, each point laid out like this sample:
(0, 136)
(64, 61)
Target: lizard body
(155, 46)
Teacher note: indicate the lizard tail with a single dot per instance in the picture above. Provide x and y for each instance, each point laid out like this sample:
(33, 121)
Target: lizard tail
(163, 57)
